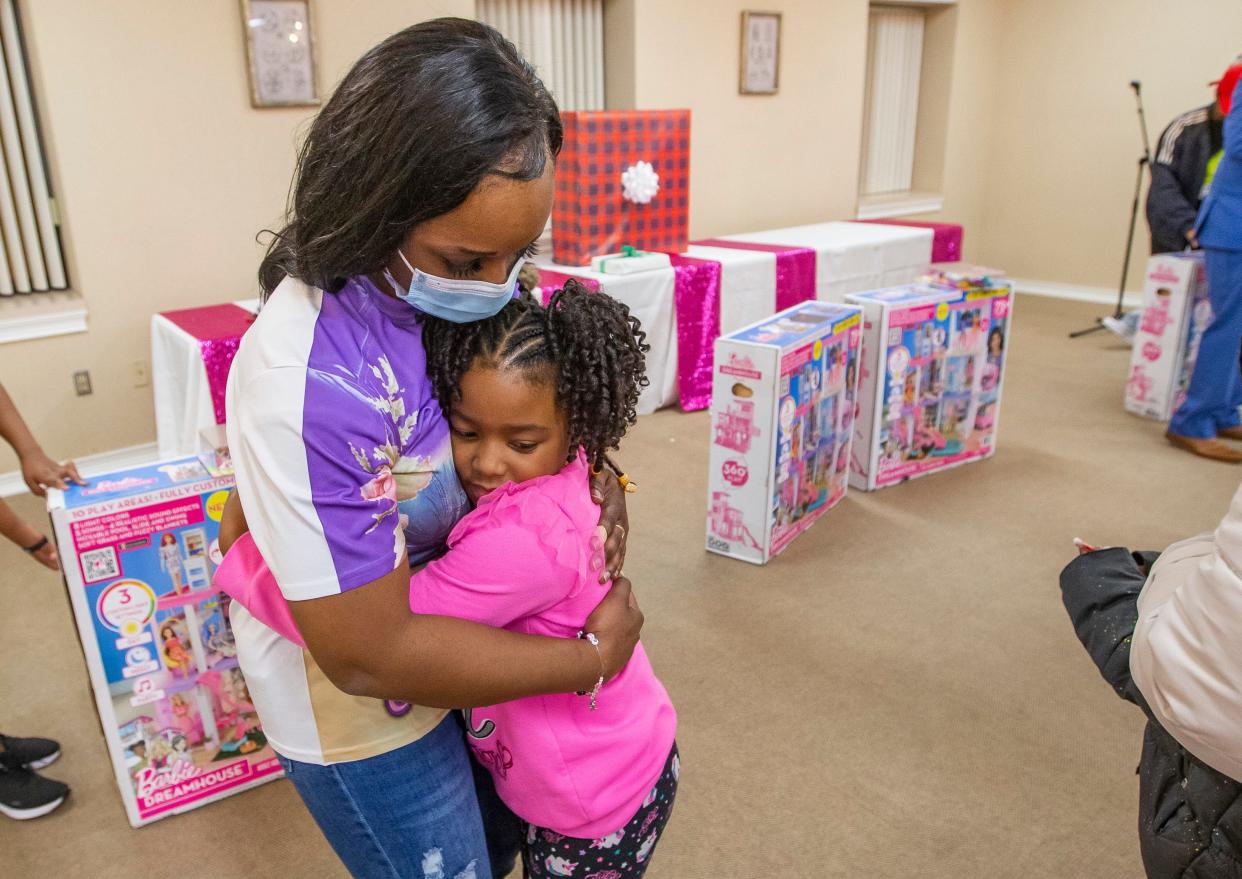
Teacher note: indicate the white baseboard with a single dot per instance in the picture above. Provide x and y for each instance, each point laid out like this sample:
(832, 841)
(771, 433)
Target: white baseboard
(1077, 292)
(11, 483)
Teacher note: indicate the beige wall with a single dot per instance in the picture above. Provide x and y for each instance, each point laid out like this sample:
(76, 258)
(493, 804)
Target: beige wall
(165, 174)
(1057, 175)
(759, 161)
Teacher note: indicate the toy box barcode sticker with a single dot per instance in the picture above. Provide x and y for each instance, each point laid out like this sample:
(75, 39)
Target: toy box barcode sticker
(783, 406)
(177, 716)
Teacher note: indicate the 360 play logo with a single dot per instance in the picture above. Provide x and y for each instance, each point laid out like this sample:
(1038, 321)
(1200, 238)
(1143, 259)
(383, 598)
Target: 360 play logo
(735, 472)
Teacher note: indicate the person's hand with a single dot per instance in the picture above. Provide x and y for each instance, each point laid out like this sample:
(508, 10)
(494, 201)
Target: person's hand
(614, 525)
(41, 473)
(47, 556)
(232, 523)
(617, 623)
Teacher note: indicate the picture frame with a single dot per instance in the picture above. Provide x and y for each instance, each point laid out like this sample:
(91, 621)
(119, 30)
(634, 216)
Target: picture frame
(280, 53)
(760, 66)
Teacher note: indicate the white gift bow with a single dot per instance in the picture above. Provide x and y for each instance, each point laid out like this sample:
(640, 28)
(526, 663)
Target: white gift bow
(640, 183)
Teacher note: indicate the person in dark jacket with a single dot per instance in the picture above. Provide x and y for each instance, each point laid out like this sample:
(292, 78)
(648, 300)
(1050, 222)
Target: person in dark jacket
(1179, 177)
(1190, 814)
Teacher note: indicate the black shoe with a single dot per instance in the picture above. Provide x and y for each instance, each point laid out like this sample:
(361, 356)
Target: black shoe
(26, 794)
(30, 753)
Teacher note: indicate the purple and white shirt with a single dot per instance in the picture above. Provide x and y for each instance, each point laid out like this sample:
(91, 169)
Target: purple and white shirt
(344, 467)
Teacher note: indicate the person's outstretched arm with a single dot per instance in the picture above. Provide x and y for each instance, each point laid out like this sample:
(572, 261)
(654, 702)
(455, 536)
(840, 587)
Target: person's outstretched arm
(16, 529)
(38, 470)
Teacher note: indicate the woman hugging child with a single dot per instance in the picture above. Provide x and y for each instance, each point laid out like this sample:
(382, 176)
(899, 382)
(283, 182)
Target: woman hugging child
(535, 398)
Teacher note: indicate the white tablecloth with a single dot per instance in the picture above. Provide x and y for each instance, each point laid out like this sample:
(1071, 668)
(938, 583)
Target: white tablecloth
(854, 257)
(747, 284)
(183, 404)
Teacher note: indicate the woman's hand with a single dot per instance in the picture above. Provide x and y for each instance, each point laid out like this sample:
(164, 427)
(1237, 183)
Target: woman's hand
(41, 473)
(617, 623)
(614, 525)
(232, 522)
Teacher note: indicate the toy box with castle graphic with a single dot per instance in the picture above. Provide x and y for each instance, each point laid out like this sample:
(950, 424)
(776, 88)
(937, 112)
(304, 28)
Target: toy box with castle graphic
(933, 367)
(783, 398)
(1176, 311)
(139, 549)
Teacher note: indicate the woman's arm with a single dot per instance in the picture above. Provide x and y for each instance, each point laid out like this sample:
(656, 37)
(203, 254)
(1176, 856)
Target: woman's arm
(369, 644)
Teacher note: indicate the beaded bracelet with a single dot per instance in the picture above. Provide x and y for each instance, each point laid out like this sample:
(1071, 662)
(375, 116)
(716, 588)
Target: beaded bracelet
(594, 691)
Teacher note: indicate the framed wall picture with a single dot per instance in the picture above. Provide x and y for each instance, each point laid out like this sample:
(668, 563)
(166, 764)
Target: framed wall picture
(280, 52)
(761, 53)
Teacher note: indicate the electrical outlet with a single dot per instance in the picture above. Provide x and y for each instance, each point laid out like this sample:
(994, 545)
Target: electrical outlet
(82, 382)
(140, 372)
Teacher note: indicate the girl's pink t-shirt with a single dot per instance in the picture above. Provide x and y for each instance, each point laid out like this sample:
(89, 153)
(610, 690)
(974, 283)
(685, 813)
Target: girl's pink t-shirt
(522, 561)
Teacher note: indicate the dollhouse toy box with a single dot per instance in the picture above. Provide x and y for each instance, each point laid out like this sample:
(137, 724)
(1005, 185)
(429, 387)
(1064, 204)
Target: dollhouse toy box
(139, 549)
(933, 366)
(783, 398)
(1176, 311)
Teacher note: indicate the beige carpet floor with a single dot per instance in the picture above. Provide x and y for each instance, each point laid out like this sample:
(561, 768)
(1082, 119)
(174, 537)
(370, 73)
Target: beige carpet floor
(898, 695)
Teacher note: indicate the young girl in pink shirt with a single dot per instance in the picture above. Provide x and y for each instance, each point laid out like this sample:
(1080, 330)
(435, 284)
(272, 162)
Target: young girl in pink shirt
(535, 397)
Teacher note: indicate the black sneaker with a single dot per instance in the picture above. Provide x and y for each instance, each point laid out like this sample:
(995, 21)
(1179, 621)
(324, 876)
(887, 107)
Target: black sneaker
(31, 753)
(26, 794)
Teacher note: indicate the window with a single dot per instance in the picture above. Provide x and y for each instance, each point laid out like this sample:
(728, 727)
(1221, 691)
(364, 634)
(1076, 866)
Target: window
(563, 39)
(30, 247)
(905, 108)
(894, 62)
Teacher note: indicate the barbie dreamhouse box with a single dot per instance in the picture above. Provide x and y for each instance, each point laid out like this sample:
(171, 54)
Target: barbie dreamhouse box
(1176, 311)
(139, 549)
(932, 371)
(783, 399)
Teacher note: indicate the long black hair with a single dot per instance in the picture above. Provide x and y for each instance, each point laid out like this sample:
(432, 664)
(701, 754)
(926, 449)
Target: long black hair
(411, 130)
(586, 345)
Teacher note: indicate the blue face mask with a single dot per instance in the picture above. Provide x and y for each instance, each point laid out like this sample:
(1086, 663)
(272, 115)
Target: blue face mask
(461, 302)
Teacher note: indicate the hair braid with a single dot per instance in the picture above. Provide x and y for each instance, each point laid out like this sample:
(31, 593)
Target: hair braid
(588, 344)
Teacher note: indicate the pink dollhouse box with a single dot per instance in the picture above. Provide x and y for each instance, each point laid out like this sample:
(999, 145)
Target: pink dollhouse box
(783, 399)
(1176, 311)
(139, 548)
(933, 365)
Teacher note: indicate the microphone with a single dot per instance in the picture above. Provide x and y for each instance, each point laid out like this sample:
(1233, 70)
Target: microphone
(1136, 85)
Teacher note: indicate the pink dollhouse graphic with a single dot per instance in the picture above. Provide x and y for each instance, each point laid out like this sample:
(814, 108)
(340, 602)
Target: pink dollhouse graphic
(728, 521)
(735, 426)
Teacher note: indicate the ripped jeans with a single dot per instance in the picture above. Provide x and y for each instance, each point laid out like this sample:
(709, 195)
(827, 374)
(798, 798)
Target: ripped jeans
(412, 813)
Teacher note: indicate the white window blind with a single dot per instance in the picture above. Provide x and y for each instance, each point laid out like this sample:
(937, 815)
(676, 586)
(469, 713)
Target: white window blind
(563, 39)
(891, 106)
(31, 260)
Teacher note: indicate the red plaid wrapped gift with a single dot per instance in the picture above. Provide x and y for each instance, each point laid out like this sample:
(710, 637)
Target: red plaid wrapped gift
(594, 212)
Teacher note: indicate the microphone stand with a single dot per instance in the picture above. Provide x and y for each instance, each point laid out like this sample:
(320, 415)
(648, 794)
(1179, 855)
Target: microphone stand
(1143, 162)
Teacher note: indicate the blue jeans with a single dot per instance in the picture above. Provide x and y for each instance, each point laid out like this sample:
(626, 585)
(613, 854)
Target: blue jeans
(1215, 391)
(412, 813)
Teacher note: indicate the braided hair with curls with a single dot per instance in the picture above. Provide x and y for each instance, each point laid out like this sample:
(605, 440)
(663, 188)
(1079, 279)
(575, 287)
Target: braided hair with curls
(586, 345)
